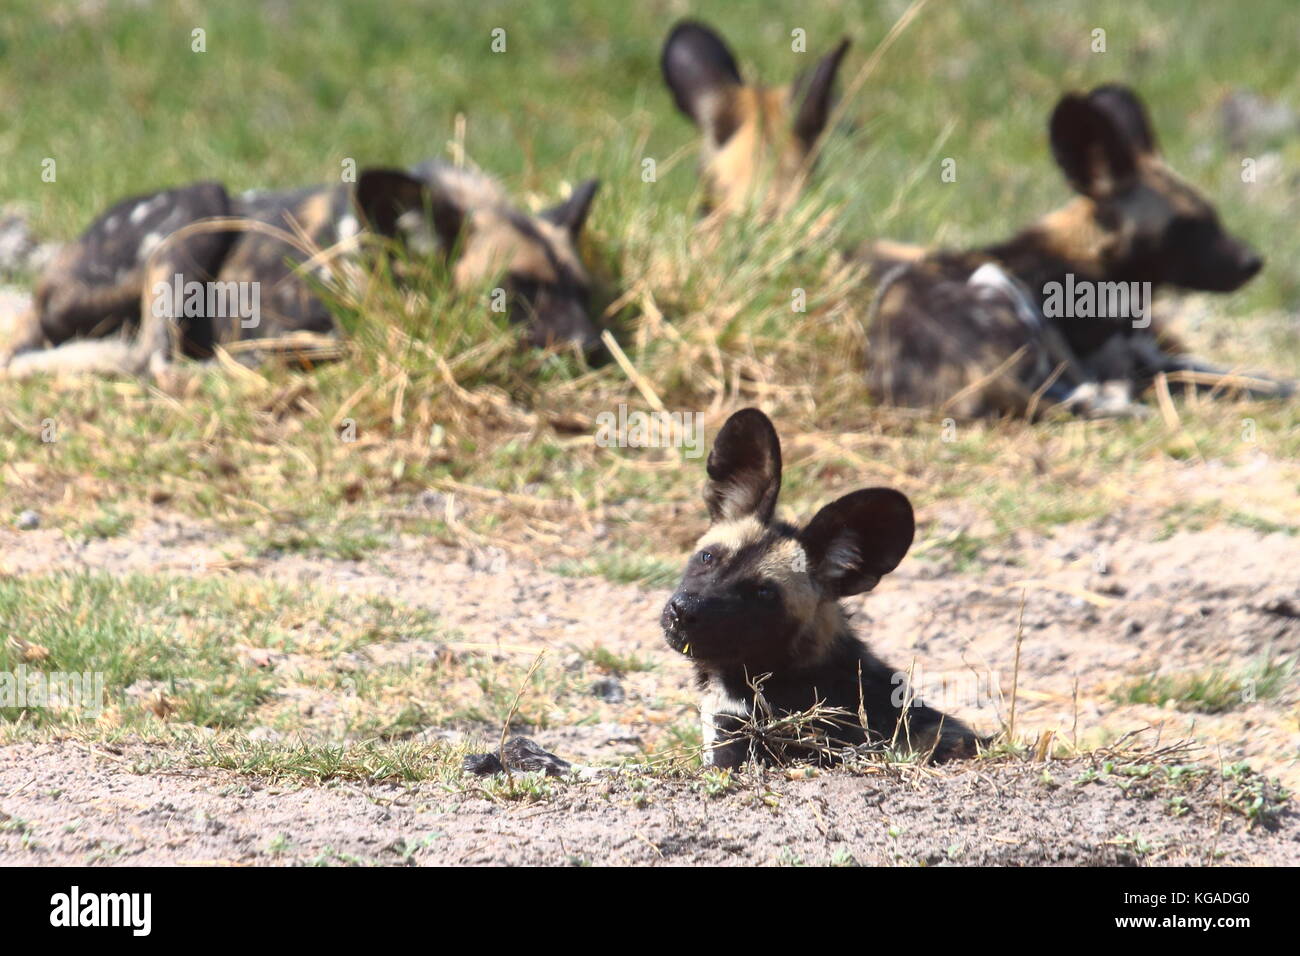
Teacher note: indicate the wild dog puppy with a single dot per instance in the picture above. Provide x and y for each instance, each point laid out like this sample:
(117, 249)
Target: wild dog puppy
(758, 141)
(979, 332)
(127, 273)
(759, 607)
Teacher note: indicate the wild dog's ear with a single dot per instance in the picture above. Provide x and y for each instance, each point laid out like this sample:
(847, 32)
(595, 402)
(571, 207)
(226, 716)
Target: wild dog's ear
(1091, 147)
(383, 196)
(744, 469)
(1127, 111)
(856, 540)
(702, 74)
(815, 93)
(572, 213)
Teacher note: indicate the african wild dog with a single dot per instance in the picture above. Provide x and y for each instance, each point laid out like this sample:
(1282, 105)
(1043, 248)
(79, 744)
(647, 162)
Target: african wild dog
(976, 333)
(758, 609)
(758, 142)
(109, 280)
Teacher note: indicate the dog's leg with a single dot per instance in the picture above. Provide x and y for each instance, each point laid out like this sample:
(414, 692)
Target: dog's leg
(1152, 360)
(27, 336)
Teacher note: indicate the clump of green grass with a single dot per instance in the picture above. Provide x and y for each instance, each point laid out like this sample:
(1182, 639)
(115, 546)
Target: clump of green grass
(613, 662)
(624, 567)
(108, 523)
(163, 644)
(1213, 691)
(345, 541)
(369, 762)
(1258, 799)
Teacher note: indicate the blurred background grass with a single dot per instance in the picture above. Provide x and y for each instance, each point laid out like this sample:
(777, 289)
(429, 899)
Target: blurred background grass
(287, 90)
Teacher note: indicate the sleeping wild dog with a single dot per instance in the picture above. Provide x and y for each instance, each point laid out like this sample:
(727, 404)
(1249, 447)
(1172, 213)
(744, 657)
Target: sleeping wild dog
(981, 332)
(758, 611)
(758, 146)
(120, 283)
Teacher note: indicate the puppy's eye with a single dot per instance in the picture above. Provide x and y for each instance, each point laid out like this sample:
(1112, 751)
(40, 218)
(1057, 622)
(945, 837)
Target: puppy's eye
(706, 558)
(766, 592)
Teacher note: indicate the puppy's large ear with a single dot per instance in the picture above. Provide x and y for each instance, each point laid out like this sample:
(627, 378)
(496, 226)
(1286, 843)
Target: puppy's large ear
(815, 93)
(856, 540)
(702, 75)
(1125, 109)
(572, 213)
(384, 196)
(744, 469)
(1091, 147)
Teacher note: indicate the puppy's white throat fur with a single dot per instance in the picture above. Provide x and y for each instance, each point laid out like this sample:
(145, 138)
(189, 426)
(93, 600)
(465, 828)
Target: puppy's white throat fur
(715, 702)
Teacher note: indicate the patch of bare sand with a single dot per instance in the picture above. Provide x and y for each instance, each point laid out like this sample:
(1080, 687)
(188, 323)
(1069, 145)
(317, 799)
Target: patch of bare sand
(66, 803)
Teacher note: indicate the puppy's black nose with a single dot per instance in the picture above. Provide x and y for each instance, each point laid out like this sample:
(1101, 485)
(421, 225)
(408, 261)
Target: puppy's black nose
(681, 610)
(1251, 263)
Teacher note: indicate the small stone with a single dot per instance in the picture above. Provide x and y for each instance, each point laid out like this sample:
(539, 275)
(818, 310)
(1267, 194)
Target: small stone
(29, 521)
(609, 689)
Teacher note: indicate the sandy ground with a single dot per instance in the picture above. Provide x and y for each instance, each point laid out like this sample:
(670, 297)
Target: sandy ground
(1224, 596)
(81, 804)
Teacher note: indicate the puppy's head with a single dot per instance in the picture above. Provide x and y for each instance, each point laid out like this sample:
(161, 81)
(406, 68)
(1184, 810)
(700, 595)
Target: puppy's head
(758, 142)
(1157, 227)
(764, 594)
(445, 210)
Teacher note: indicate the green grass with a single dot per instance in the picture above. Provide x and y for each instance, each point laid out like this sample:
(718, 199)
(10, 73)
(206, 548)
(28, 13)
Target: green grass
(282, 94)
(1214, 691)
(613, 662)
(312, 763)
(177, 648)
(624, 567)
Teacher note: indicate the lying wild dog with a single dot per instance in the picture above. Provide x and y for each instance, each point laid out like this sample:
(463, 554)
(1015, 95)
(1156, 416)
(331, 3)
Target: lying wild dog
(758, 142)
(981, 332)
(127, 274)
(758, 610)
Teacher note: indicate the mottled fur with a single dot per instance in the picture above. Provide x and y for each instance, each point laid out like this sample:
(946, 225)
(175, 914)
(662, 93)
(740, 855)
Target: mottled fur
(103, 284)
(966, 333)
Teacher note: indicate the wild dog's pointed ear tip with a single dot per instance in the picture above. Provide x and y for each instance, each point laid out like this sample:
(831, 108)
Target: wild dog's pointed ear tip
(746, 415)
(887, 505)
(1071, 100)
(1115, 89)
(373, 175)
(696, 58)
(749, 422)
(376, 182)
(572, 212)
(686, 27)
(1127, 112)
(895, 503)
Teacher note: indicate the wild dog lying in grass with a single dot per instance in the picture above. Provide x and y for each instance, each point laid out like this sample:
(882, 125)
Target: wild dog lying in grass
(162, 273)
(758, 612)
(758, 141)
(983, 332)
